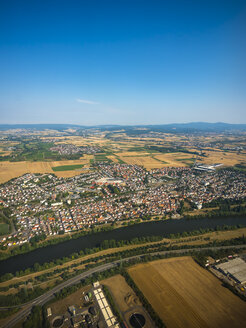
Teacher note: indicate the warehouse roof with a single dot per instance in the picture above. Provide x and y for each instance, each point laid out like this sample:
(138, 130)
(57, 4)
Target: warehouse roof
(236, 268)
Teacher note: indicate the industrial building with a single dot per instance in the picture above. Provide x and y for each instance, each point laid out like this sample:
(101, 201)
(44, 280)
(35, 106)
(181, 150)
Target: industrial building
(235, 269)
(109, 318)
(109, 180)
(205, 167)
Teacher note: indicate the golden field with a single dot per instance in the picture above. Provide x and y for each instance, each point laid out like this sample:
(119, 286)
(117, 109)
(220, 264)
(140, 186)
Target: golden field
(146, 161)
(10, 170)
(156, 160)
(175, 159)
(120, 150)
(81, 141)
(186, 295)
(226, 158)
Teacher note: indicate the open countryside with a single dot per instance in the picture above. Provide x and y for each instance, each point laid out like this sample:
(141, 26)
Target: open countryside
(186, 295)
(150, 150)
(10, 170)
(122, 164)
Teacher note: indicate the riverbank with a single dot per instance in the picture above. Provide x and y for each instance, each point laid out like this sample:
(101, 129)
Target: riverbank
(42, 241)
(7, 287)
(158, 228)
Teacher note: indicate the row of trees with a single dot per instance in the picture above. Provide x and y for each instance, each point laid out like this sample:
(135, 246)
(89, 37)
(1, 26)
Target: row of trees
(224, 210)
(200, 257)
(25, 295)
(202, 231)
(221, 201)
(106, 274)
(43, 242)
(104, 245)
(7, 313)
(158, 322)
(112, 244)
(37, 318)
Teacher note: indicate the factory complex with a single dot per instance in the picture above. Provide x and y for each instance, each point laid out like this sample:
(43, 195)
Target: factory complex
(235, 269)
(88, 309)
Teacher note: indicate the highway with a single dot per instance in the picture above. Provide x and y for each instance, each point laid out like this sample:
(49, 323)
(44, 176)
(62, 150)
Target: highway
(41, 300)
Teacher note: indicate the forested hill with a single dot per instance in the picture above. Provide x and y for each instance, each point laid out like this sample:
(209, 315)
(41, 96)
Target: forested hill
(175, 127)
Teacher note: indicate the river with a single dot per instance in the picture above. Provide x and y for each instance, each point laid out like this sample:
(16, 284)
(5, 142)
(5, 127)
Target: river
(161, 228)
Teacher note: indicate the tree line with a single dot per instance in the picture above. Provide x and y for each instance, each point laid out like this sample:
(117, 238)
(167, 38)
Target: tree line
(25, 294)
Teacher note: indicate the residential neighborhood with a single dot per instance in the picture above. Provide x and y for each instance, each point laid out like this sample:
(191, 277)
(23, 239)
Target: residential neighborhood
(109, 193)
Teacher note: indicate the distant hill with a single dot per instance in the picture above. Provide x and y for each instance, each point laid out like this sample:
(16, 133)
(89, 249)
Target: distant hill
(194, 127)
(137, 129)
(39, 127)
(201, 126)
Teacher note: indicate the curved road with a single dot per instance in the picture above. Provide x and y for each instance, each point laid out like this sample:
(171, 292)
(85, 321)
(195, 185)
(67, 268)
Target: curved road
(41, 300)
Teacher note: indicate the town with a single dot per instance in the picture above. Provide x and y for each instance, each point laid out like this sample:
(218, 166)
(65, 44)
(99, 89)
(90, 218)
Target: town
(44, 204)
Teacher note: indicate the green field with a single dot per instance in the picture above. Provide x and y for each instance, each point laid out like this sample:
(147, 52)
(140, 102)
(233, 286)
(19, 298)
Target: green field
(4, 228)
(102, 158)
(240, 167)
(67, 167)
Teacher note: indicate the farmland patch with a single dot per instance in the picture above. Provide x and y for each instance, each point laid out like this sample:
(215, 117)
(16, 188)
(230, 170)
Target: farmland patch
(185, 295)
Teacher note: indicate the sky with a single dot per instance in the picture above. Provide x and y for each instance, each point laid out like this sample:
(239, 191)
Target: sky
(122, 62)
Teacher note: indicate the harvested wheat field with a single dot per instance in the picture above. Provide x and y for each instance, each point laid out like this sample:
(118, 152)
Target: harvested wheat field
(146, 161)
(82, 141)
(175, 159)
(186, 295)
(10, 170)
(226, 158)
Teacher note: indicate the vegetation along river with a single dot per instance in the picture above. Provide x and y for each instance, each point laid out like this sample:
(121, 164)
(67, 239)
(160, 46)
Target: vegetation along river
(161, 228)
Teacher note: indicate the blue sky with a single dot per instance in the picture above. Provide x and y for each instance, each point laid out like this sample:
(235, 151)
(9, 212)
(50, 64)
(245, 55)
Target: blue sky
(122, 62)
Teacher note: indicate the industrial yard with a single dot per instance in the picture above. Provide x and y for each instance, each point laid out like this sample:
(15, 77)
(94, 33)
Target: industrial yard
(232, 271)
(86, 308)
(185, 295)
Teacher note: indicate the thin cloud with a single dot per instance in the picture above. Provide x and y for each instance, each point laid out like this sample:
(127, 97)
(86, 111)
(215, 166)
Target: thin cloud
(89, 102)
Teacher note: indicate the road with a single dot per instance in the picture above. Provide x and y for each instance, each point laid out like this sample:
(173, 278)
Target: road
(41, 300)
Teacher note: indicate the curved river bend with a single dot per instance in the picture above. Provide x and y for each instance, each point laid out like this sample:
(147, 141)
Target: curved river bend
(162, 228)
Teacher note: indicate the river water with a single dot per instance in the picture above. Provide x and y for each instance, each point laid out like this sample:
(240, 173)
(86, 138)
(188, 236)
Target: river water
(161, 228)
